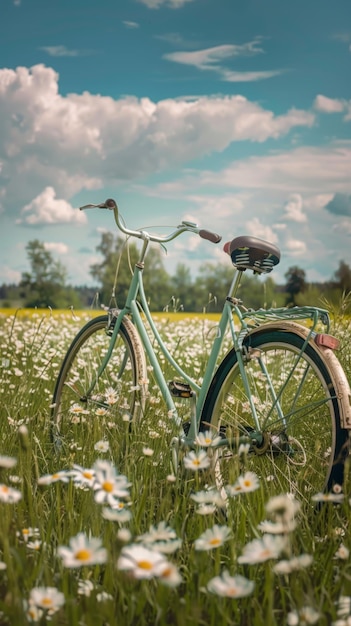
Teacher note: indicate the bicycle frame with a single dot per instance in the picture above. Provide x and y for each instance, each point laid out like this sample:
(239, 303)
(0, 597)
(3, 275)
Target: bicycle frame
(231, 308)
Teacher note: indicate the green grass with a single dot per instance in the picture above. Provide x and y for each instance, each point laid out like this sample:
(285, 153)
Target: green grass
(32, 348)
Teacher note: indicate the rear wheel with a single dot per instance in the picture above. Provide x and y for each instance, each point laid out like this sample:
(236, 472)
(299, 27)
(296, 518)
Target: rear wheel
(82, 414)
(298, 445)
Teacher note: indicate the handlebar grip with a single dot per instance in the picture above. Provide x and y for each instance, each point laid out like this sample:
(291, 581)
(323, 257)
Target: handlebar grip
(206, 234)
(110, 203)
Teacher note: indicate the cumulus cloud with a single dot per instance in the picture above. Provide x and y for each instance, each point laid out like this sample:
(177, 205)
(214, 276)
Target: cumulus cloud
(293, 208)
(328, 105)
(333, 105)
(257, 229)
(295, 247)
(85, 141)
(314, 170)
(56, 246)
(340, 204)
(47, 209)
(212, 58)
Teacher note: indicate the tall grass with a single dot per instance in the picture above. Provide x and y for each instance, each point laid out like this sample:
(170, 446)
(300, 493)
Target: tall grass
(50, 507)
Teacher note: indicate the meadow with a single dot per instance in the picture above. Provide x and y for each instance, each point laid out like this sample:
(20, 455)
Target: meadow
(107, 535)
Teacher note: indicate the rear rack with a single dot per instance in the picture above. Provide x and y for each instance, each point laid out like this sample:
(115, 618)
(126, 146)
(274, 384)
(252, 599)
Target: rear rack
(294, 313)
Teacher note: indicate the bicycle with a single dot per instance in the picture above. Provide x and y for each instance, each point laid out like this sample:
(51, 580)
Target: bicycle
(279, 395)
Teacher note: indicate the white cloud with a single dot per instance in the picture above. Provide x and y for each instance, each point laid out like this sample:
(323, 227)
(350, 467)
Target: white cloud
(86, 141)
(328, 105)
(60, 51)
(344, 227)
(56, 246)
(295, 247)
(9, 275)
(47, 209)
(129, 24)
(211, 58)
(257, 229)
(293, 208)
(314, 170)
(156, 4)
(333, 105)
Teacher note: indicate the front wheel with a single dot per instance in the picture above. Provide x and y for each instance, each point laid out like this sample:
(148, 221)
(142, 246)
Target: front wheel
(83, 412)
(298, 444)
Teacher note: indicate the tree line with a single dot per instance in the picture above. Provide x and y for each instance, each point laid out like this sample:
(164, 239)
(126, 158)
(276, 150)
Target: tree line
(46, 284)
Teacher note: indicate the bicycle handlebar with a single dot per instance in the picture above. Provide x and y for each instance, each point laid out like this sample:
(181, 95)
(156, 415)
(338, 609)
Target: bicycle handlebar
(142, 234)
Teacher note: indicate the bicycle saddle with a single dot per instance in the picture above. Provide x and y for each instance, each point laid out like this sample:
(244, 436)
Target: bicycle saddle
(251, 253)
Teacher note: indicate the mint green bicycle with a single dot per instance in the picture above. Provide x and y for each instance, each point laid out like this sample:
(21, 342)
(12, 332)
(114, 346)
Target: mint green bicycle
(280, 392)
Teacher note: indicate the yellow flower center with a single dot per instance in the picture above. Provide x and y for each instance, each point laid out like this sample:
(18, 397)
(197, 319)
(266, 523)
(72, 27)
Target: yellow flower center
(144, 565)
(83, 555)
(107, 486)
(196, 462)
(46, 602)
(87, 474)
(215, 541)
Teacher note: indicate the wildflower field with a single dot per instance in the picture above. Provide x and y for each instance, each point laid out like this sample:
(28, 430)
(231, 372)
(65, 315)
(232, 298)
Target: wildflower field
(107, 535)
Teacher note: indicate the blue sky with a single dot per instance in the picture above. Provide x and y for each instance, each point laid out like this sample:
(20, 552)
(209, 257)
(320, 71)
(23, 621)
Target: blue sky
(236, 115)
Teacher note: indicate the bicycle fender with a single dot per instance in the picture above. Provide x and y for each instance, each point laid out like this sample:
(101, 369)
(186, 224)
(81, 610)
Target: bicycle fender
(332, 363)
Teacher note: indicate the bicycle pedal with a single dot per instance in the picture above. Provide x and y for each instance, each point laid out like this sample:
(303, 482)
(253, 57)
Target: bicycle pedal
(180, 390)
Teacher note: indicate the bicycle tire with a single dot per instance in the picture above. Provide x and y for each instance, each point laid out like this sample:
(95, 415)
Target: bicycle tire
(305, 456)
(118, 396)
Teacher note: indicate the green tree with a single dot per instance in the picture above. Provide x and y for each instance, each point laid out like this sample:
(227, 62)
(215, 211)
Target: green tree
(45, 284)
(118, 260)
(342, 277)
(295, 283)
(183, 293)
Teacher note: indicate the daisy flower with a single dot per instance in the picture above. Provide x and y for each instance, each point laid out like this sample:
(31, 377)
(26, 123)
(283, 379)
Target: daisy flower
(207, 438)
(147, 451)
(62, 476)
(230, 586)
(208, 496)
(196, 460)
(304, 616)
(260, 550)
(103, 596)
(82, 550)
(34, 545)
(277, 528)
(244, 484)
(283, 507)
(342, 552)
(161, 538)
(140, 561)
(117, 513)
(213, 538)
(46, 598)
(82, 475)
(328, 497)
(109, 486)
(168, 574)
(85, 587)
(7, 462)
(27, 533)
(294, 564)
(102, 446)
(9, 495)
